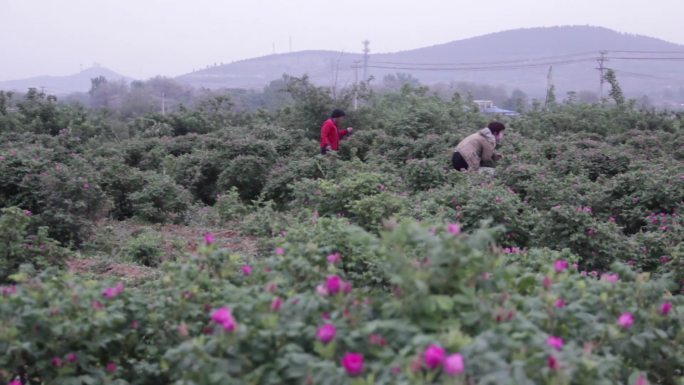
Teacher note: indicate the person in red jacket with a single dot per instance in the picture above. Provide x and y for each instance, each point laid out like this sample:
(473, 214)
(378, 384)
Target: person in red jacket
(331, 134)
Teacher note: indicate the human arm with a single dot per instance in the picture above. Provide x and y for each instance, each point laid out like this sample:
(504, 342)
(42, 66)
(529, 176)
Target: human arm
(346, 132)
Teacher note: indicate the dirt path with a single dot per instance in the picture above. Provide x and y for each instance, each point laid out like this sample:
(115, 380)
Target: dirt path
(108, 254)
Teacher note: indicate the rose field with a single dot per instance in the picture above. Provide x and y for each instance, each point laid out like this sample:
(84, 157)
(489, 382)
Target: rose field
(214, 245)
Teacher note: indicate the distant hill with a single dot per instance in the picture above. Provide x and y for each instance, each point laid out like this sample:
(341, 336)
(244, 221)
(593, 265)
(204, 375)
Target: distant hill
(515, 48)
(60, 85)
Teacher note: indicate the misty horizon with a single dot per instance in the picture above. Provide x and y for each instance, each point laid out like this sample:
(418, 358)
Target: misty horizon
(171, 37)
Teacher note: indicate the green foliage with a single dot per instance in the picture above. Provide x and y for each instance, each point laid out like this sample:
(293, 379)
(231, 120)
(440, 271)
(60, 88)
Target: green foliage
(18, 246)
(444, 289)
(247, 173)
(424, 174)
(229, 206)
(160, 199)
(144, 248)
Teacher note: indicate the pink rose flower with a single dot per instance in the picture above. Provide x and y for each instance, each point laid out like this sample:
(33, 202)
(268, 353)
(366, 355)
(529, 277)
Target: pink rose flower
(433, 356)
(346, 287)
(453, 365)
(610, 277)
(376, 340)
(333, 284)
(322, 291)
(71, 357)
(552, 363)
(352, 363)
(665, 308)
(56, 362)
(333, 258)
(641, 380)
(16, 381)
(246, 270)
(271, 287)
(279, 251)
(208, 239)
(625, 320)
(111, 367)
(112, 292)
(326, 333)
(276, 303)
(560, 265)
(555, 342)
(454, 228)
(559, 303)
(223, 317)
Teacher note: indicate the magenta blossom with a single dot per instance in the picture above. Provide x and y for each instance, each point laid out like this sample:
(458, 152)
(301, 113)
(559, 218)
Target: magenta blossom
(246, 270)
(346, 287)
(454, 228)
(326, 333)
(559, 303)
(322, 291)
(453, 365)
(433, 356)
(333, 284)
(14, 382)
(71, 357)
(352, 363)
(271, 287)
(552, 363)
(28, 213)
(56, 362)
(625, 320)
(276, 303)
(665, 308)
(111, 367)
(555, 342)
(641, 380)
(560, 265)
(333, 258)
(610, 277)
(546, 282)
(279, 251)
(112, 292)
(223, 317)
(208, 239)
(8, 290)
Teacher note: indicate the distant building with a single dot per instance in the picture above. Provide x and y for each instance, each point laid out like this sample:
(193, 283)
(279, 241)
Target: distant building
(487, 107)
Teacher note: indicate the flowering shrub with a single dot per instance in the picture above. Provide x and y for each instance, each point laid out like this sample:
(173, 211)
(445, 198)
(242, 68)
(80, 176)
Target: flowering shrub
(450, 307)
(421, 174)
(18, 246)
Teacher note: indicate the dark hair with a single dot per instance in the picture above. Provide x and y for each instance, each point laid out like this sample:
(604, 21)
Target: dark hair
(496, 127)
(337, 114)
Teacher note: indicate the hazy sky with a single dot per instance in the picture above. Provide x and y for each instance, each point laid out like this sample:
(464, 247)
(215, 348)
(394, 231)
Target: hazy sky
(142, 38)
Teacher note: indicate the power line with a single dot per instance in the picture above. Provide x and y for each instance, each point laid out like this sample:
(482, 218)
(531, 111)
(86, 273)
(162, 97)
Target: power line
(483, 68)
(648, 58)
(640, 75)
(648, 52)
(555, 57)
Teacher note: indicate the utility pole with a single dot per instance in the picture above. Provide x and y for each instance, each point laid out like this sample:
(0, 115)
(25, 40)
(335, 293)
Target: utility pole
(366, 51)
(356, 83)
(601, 60)
(549, 86)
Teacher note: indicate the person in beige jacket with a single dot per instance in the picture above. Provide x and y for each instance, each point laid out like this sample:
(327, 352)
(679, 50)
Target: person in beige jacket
(478, 147)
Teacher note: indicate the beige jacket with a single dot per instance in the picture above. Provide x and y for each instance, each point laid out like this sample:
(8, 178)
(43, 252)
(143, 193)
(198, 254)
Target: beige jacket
(476, 148)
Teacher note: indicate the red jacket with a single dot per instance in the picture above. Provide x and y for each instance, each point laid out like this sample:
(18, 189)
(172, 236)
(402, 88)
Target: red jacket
(330, 135)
